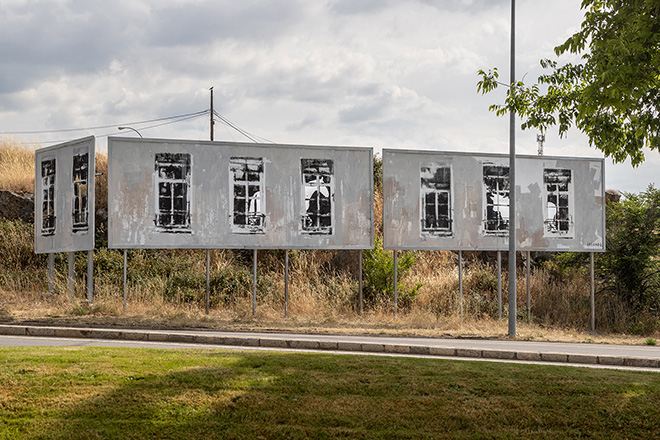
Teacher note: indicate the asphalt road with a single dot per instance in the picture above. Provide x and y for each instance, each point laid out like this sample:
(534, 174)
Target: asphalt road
(583, 354)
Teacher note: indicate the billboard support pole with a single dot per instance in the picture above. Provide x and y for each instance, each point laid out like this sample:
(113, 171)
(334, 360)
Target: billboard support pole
(125, 284)
(593, 293)
(360, 282)
(286, 284)
(460, 281)
(499, 284)
(254, 283)
(72, 281)
(396, 287)
(90, 277)
(208, 280)
(51, 272)
(512, 186)
(529, 298)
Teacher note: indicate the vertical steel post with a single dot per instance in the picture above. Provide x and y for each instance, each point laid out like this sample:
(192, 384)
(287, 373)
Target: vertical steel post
(512, 184)
(593, 293)
(208, 281)
(90, 277)
(529, 297)
(125, 282)
(254, 283)
(460, 281)
(499, 284)
(72, 281)
(286, 284)
(51, 273)
(360, 282)
(396, 282)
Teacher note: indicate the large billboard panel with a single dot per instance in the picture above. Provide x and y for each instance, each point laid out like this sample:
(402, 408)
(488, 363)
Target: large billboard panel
(460, 201)
(64, 197)
(200, 194)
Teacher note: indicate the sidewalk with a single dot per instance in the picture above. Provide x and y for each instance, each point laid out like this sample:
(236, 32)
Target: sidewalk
(574, 353)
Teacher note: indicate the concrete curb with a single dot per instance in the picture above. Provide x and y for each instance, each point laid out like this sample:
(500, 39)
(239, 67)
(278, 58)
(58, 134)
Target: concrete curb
(307, 344)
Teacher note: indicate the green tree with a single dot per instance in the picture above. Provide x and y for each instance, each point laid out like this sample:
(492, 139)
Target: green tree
(612, 95)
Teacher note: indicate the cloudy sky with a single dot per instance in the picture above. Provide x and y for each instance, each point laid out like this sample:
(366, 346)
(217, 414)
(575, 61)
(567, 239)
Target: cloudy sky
(381, 73)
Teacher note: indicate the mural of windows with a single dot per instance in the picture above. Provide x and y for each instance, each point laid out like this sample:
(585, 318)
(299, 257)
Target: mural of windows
(173, 179)
(496, 199)
(318, 187)
(436, 212)
(559, 192)
(80, 176)
(247, 183)
(48, 197)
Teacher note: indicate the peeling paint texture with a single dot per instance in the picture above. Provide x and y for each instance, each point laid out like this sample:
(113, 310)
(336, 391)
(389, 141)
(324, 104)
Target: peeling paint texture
(196, 194)
(64, 197)
(461, 202)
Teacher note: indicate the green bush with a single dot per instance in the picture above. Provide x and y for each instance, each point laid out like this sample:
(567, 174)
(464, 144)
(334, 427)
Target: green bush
(378, 275)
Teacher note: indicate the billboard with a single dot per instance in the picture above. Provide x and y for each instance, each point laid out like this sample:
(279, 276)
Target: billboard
(64, 197)
(200, 194)
(460, 201)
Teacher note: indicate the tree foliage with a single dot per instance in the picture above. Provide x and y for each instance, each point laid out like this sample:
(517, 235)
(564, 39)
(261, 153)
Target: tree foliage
(612, 95)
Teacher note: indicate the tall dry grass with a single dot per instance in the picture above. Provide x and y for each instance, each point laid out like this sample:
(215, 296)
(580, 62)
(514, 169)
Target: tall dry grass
(16, 166)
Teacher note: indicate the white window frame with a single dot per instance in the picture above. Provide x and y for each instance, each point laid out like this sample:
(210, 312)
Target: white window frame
(558, 187)
(502, 186)
(251, 220)
(48, 197)
(436, 190)
(317, 176)
(178, 160)
(80, 206)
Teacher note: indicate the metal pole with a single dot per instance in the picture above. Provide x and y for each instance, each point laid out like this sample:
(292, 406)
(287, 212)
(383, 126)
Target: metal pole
(51, 273)
(529, 297)
(286, 284)
(593, 294)
(396, 287)
(499, 284)
(212, 123)
(460, 280)
(254, 283)
(208, 280)
(72, 281)
(512, 184)
(360, 282)
(125, 282)
(90, 277)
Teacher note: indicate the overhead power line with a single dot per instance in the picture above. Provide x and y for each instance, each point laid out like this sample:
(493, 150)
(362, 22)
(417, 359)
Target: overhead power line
(181, 117)
(254, 138)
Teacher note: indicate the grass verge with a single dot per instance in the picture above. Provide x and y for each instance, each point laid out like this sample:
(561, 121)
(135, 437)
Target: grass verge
(83, 392)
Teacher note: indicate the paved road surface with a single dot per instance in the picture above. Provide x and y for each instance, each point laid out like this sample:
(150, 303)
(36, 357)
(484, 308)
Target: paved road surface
(604, 355)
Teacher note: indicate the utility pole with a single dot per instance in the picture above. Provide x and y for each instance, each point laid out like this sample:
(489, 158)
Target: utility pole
(211, 113)
(512, 187)
(540, 139)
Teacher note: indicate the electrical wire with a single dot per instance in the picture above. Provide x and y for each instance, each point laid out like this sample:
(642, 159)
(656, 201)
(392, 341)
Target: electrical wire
(203, 112)
(254, 138)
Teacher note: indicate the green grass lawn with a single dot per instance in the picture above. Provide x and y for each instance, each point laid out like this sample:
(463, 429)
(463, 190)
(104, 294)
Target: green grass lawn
(103, 393)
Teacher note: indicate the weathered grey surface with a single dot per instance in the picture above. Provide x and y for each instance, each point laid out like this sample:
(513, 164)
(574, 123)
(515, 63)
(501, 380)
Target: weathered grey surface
(17, 207)
(402, 210)
(64, 239)
(133, 203)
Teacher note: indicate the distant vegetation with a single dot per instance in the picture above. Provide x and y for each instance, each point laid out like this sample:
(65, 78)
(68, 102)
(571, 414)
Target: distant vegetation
(170, 284)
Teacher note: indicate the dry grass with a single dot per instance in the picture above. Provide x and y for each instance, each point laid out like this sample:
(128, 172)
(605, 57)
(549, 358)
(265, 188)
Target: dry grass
(16, 166)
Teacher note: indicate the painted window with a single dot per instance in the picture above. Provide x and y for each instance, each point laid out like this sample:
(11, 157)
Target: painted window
(318, 187)
(80, 176)
(559, 191)
(48, 197)
(173, 179)
(436, 209)
(247, 183)
(496, 199)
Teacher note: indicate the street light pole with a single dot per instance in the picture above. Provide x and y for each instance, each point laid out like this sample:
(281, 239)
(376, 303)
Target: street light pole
(512, 184)
(130, 128)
